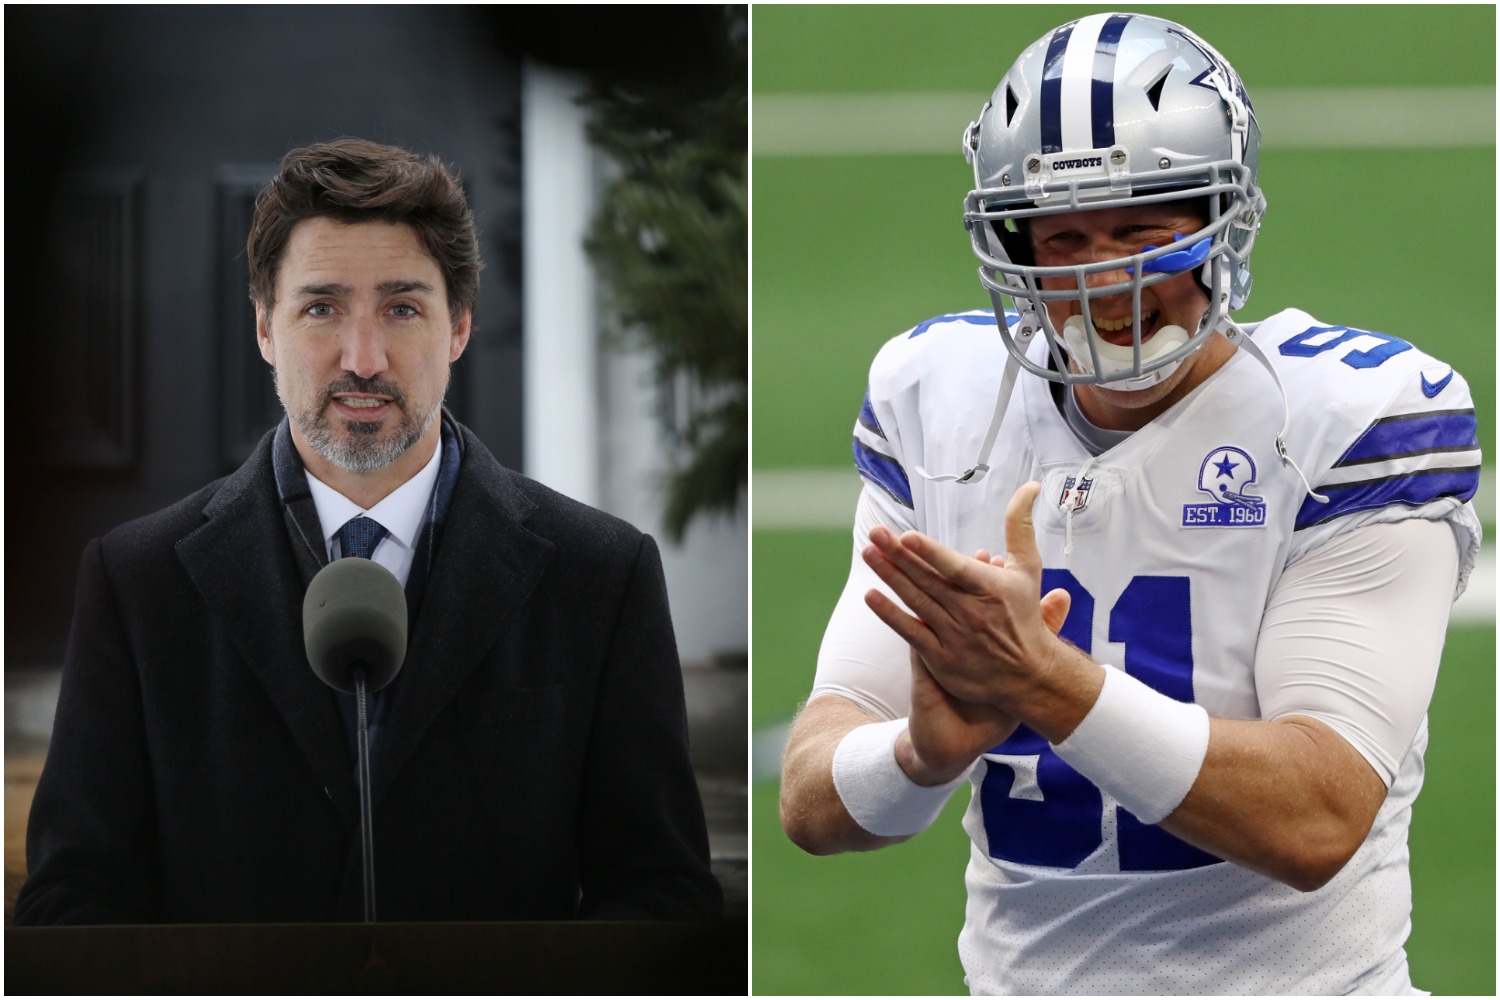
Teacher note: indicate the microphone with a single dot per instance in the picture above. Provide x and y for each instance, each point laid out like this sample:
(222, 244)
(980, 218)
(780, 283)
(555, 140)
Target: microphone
(354, 628)
(354, 619)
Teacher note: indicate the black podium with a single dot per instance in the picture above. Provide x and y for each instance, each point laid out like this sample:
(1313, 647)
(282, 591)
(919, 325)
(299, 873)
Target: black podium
(440, 958)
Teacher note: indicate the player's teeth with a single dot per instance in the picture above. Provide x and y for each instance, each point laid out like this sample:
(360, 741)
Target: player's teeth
(1116, 325)
(362, 403)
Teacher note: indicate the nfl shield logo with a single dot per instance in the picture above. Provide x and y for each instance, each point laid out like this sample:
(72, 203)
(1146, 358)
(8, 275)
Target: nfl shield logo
(1075, 494)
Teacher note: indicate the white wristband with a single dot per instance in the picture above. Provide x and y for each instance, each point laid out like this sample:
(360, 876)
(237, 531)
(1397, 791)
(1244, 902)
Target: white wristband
(1139, 745)
(877, 793)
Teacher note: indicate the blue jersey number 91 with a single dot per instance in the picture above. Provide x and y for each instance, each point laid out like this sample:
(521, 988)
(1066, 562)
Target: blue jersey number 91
(1037, 809)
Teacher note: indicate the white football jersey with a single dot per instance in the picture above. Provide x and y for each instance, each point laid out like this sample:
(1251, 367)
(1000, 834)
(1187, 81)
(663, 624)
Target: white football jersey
(1170, 544)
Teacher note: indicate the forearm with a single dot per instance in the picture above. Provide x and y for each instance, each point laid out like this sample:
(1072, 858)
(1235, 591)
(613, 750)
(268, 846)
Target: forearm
(812, 814)
(1290, 799)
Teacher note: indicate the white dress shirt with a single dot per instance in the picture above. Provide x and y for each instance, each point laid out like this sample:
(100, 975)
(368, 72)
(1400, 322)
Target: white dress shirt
(400, 514)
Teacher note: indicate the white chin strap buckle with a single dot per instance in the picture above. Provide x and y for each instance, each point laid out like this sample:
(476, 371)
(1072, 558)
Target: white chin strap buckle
(1116, 358)
(973, 475)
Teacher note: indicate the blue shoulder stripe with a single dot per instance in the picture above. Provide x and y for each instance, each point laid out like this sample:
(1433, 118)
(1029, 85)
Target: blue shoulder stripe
(867, 416)
(883, 471)
(1413, 434)
(1412, 490)
(923, 327)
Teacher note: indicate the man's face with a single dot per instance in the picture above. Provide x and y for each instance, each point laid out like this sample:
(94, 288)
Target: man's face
(1074, 238)
(361, 338)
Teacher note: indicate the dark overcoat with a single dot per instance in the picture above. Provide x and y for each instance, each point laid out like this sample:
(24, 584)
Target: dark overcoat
(533, 765)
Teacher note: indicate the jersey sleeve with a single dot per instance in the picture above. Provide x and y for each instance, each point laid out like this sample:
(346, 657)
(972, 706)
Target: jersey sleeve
(878, 457)
(1389, 434)
(1379, 597)
(944, 363)
(925, 386)
(882, 439)
(860, 658)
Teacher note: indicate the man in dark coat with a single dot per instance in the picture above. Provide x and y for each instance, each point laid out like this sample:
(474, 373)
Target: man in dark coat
(529, 762)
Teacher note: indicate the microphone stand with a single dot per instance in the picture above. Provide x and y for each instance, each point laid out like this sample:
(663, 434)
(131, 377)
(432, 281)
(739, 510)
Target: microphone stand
(366, 825)
(354, 618)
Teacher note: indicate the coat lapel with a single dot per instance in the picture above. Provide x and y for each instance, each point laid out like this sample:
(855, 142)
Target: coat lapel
(242, 562)
(486, 565)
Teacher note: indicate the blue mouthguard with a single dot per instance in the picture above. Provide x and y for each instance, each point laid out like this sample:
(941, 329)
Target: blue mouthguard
(1182, 260)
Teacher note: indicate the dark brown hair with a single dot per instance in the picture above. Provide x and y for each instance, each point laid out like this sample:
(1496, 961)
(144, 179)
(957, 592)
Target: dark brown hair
(352, 180)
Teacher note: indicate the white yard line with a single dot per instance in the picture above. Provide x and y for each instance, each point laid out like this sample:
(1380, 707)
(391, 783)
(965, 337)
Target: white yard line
(1477, 605)
(1303, 118)
(804, 498)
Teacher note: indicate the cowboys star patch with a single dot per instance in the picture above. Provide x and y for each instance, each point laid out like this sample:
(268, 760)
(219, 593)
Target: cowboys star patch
(1226, 475)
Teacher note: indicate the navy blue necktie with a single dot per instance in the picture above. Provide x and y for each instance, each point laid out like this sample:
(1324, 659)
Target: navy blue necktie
(359, 536)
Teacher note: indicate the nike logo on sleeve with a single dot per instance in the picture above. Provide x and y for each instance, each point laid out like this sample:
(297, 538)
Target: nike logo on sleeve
(1431, 389)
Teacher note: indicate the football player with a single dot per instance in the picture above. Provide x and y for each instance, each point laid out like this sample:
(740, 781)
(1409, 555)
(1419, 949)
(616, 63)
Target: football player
(1167, 592)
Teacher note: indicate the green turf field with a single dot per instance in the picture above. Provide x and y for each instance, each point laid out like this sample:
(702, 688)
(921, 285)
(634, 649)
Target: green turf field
(851, 249)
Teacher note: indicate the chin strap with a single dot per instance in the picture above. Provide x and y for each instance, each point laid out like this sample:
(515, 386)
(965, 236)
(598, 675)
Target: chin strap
(1002, 400)
(1243, 339)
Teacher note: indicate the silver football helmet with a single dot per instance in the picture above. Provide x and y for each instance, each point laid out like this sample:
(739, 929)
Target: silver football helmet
(1107, 111)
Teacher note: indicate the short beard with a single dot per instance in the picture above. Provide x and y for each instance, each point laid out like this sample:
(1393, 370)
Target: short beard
(361, 449)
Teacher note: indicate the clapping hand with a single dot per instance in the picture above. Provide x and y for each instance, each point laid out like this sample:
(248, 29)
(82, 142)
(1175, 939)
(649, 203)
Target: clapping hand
(979, 631)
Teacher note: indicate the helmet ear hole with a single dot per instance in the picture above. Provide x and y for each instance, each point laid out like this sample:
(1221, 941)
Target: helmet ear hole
(1153, 92)
(1017, 244)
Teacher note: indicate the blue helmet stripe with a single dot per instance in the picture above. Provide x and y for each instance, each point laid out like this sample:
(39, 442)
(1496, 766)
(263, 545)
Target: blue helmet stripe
(1103, 103)
(883, 471)
(1412, 490)
(1414, 434)
(1052, 90)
